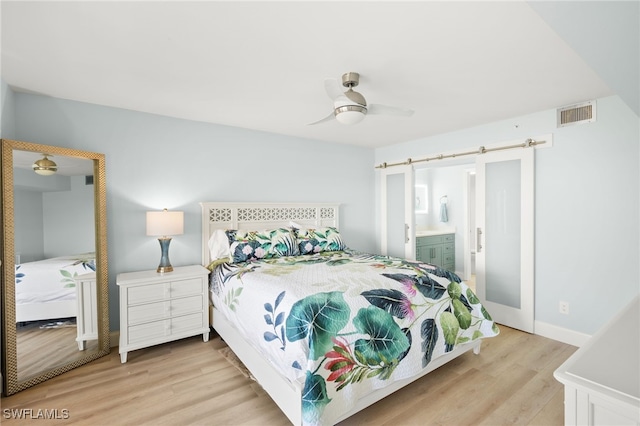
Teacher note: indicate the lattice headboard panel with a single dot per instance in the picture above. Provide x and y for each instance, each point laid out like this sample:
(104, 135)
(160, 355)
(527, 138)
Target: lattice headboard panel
(258, 216)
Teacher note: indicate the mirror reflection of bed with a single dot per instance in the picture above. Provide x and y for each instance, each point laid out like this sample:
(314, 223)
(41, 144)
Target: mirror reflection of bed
(54, 225)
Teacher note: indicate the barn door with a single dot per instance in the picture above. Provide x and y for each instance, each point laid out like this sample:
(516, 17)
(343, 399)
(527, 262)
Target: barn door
(505, 236)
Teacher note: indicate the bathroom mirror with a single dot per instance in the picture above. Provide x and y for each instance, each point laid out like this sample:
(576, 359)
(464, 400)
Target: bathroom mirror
(421, 202)
(54, 262)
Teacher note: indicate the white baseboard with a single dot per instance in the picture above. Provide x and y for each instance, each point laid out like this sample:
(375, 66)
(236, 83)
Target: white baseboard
(564, 335)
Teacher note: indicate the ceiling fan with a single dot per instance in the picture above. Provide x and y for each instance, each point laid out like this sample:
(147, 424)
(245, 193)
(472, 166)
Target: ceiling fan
(350, 107)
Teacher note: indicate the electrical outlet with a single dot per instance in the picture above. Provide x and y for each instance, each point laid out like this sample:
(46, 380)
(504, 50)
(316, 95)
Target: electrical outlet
(564, 308)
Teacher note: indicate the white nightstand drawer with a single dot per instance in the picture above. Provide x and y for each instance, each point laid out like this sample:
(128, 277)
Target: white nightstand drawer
(186, 305)
(148, 332)
(160, 310)
(185, 323)
(163, 291)
(148, 312)
(159, 330)
(186, 287)
(147, 293)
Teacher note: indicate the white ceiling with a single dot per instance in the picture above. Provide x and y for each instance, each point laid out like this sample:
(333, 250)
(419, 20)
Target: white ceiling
(261, 65)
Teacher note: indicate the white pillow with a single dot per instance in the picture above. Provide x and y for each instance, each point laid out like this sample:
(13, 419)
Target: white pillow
(219, 245)
(296, 225)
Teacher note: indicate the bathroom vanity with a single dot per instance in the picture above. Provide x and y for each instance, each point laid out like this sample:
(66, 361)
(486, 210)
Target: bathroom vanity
(437, 247)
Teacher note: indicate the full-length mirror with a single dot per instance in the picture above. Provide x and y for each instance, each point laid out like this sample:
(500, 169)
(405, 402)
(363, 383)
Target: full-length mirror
(54, 262)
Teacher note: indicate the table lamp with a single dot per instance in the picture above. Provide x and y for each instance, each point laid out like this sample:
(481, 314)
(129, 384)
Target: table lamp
(165, 224)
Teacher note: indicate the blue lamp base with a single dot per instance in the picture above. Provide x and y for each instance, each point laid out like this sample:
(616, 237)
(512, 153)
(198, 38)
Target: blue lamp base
(165, 265)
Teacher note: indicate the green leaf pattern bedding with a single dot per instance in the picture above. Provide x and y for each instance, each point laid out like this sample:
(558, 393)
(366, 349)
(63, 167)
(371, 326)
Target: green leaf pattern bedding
(343, 323)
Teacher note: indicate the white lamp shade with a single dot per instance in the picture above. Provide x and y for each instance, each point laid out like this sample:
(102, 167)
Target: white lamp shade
(44, 172)
(350, 117)
(165, 223)
(348, 112)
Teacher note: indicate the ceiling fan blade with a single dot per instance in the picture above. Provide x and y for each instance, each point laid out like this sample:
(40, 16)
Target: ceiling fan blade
(327, 118)
(389, 110)
(332, 88)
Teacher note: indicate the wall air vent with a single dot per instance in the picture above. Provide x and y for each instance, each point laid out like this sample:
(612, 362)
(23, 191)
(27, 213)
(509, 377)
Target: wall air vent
(577, 114)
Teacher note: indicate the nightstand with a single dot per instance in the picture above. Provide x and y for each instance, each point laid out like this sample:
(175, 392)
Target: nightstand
(87, 314)
(158, 308)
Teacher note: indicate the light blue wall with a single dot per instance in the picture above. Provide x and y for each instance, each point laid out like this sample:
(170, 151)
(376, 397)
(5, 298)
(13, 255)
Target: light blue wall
(153, 162)
(587, 207)
(53, 215)
(28, 225)
(68, 218)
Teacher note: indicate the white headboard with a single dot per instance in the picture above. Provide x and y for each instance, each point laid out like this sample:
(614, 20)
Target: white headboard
(259, 216)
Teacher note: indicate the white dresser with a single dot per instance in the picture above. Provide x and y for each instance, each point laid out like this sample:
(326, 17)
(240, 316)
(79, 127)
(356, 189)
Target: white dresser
(602, 379)
(157, 308)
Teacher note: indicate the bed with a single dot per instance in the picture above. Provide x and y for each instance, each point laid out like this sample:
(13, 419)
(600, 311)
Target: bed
(46, 289)
(327, 330)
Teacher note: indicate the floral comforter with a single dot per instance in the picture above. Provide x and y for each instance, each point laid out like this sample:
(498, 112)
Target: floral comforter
(344, 323)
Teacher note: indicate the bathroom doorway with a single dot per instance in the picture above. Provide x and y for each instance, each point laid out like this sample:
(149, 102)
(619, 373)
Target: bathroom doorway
(453, 181)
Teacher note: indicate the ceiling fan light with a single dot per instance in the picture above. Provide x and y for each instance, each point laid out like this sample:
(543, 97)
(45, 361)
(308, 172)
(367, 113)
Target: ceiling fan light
(350, 114)
(45, 167)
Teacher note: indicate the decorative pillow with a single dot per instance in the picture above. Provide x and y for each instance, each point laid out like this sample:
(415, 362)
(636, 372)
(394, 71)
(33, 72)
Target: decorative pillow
(312, 241)
(283, 242)
(253, 245)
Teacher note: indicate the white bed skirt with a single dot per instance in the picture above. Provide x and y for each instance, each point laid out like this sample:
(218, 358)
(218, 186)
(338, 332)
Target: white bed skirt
(45, 311)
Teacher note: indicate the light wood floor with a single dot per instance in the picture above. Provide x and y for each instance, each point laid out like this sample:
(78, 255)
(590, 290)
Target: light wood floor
(39, 349)
(189, 382)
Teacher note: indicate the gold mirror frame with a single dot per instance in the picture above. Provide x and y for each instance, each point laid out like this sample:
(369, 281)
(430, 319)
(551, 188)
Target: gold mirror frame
(11, 384)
